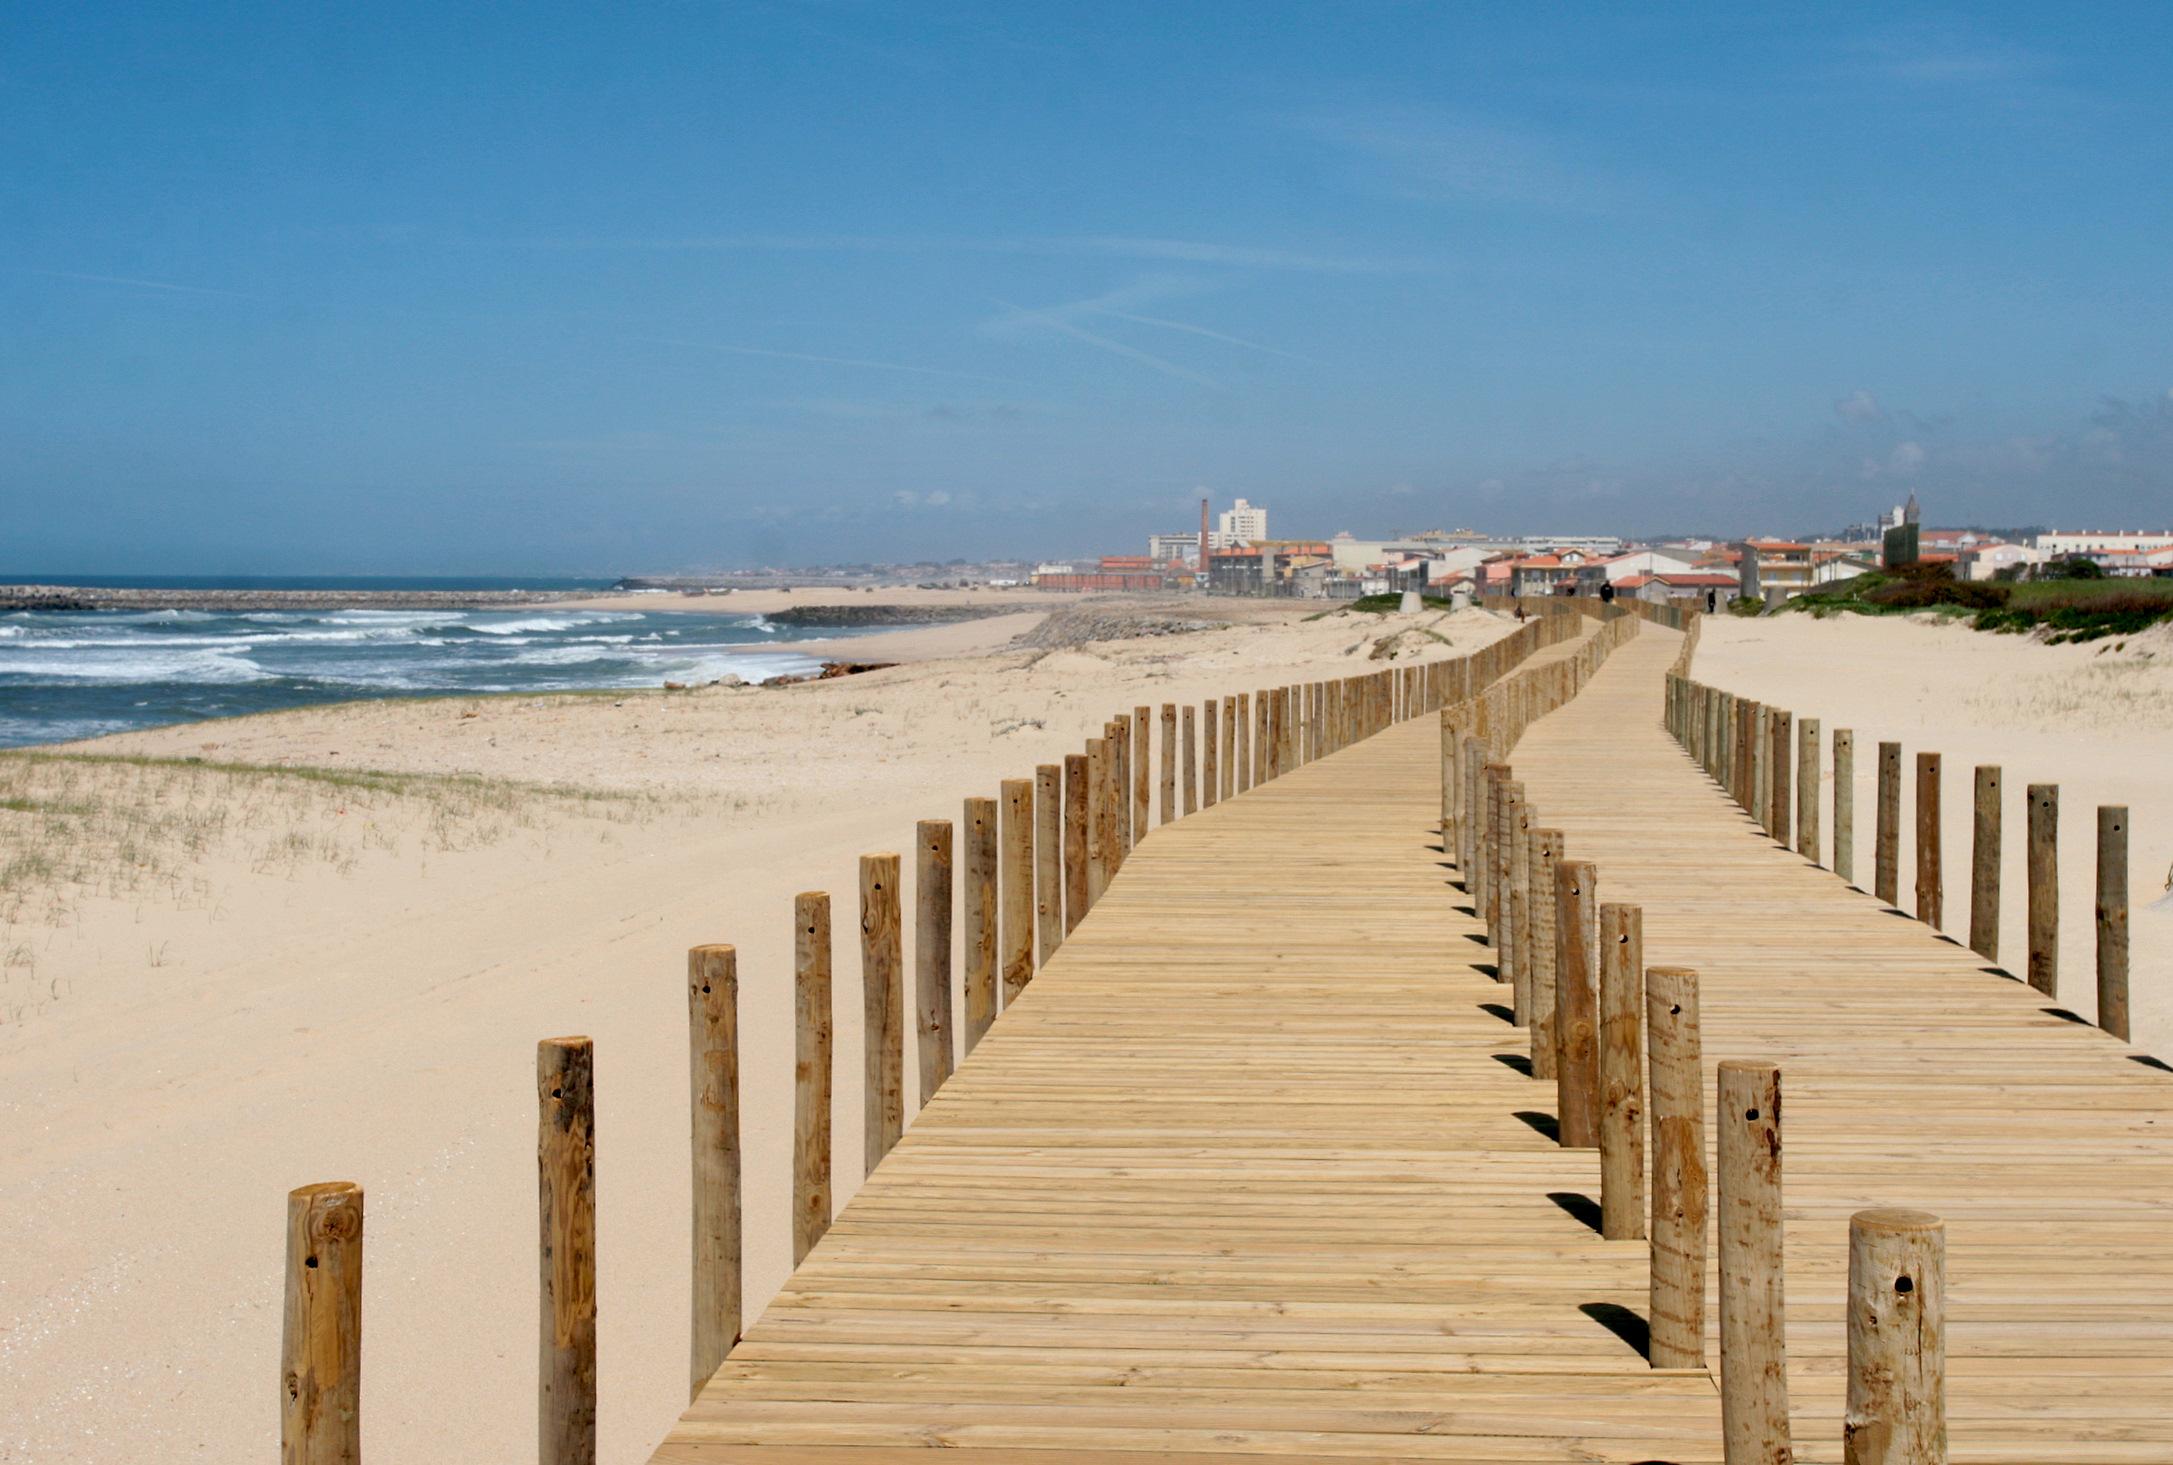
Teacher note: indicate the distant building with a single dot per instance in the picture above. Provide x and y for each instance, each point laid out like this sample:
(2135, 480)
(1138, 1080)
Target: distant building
(2059, 546)
(1181, 549)
(1112, 572)
(1662, 588)
(1775, 569)
(1242, 523)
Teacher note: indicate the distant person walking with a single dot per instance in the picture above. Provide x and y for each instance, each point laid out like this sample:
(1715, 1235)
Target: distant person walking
(1607, 593)
(1712, 601)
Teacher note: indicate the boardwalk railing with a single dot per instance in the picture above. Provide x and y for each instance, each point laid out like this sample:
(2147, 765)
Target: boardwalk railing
(1614, 1035)
(1773, 763)
(1029, 865)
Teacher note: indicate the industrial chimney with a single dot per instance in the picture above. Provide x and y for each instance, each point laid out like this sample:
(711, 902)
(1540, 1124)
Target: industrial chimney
(1203, 534)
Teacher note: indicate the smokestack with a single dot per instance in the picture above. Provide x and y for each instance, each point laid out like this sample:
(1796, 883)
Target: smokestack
(1203, 533)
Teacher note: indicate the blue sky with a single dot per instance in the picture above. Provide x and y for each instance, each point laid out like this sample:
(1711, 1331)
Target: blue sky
(595, 289)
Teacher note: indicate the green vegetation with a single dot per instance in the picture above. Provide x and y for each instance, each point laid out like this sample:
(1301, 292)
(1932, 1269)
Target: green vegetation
(2072, 607)
(1388, 604)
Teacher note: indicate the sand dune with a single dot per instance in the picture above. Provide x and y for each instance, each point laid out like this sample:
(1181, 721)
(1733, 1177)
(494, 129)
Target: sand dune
(347, 978)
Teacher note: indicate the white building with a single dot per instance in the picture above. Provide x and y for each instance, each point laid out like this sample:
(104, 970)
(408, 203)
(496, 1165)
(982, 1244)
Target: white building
(1985, 561)
(1184, 548)
(1651, 562)
(2057, 546)
(1243, 523)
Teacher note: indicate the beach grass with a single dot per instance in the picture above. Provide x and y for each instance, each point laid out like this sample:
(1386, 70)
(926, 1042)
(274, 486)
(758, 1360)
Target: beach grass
(2060, 610)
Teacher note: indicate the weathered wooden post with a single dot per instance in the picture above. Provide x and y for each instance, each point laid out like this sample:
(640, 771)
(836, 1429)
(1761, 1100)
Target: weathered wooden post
(1015, 874)
(1210, 757)
(1897, 1390)
(1677, 1304)
(1930, 883)
(1844, 804)
(1538, 1013)
(977, 906)
(1522, 899)
(1191, 759)
(1494, 863)
(1753, 1315)
(713, 1052)
(1807, 831)
(1098, 821)
(2112, 919)
(566, 1207)
(1142, 771)
(882, 1005)
(1049, 857)
(1242, 766)
(1886, 875)
(1078, 779)
(1233, 745)
(932, 1024)
(2044, 878)
(1448, 783)
(1577, 1003)
(1984, 853)
(1120, 747)
(812, 1028)
(1512, 899)
(1778, 799)
(320, 1346)
(1622, 1071)
(1169, 763)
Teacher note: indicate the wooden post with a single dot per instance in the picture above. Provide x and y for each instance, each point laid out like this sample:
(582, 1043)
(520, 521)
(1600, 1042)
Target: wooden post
(1897, 1390)
(882, 1005)
(1807, 831)
(1622, 1072)
(1142, 771)
(1495, 863)
(1753, 1343)
(1190, 756)
(1243, 763)
(566, 1207)
(1538, 1014)
(1930, 886)
(1577, 1003)
(1077, 778)
(1049, 857)
(1984, 856)
(320, 1351)
(977, 908)
(1517, 949)
(1513, 901)
(1778, 807)
(1232, 755)
(1015, 862)
(1210, 757)
(2044, 878)
(1886, 874)
(1097, 823)
(1169, 763)
(811, 1072)
(2112, 914)
(1844, 804)
(1120, 805)
(713, 1052)
(1677, 1306)
(933, 1021)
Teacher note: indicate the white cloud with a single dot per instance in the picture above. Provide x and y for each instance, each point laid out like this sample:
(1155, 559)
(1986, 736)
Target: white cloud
(1906, 458)
(1431, 156)
(1860, 406)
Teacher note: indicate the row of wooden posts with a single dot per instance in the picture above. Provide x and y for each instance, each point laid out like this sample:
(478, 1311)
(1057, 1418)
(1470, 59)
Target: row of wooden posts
(1035, 860)
(1771, 761)
(1620, 1042)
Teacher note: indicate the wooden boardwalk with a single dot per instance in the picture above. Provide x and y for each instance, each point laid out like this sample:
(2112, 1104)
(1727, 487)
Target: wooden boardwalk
(1240, 1175)
(1251, 1169)
(1913, 1075)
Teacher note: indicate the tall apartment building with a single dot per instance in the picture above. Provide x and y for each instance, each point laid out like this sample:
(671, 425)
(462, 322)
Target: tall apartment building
(1243, 523)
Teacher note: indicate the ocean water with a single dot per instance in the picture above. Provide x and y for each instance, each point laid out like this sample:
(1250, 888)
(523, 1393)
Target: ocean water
(67, 674)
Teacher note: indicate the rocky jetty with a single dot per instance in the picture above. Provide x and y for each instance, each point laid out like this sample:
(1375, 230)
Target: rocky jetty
(886, 615)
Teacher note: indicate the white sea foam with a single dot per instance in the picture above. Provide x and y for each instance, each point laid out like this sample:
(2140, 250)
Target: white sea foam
(219, 667)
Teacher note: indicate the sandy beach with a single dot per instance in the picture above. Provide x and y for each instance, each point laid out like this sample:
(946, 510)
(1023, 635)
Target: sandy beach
(327, 951)
(2094, 718)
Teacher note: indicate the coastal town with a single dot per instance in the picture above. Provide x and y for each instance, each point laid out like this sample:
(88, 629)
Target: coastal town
(1238, 556)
